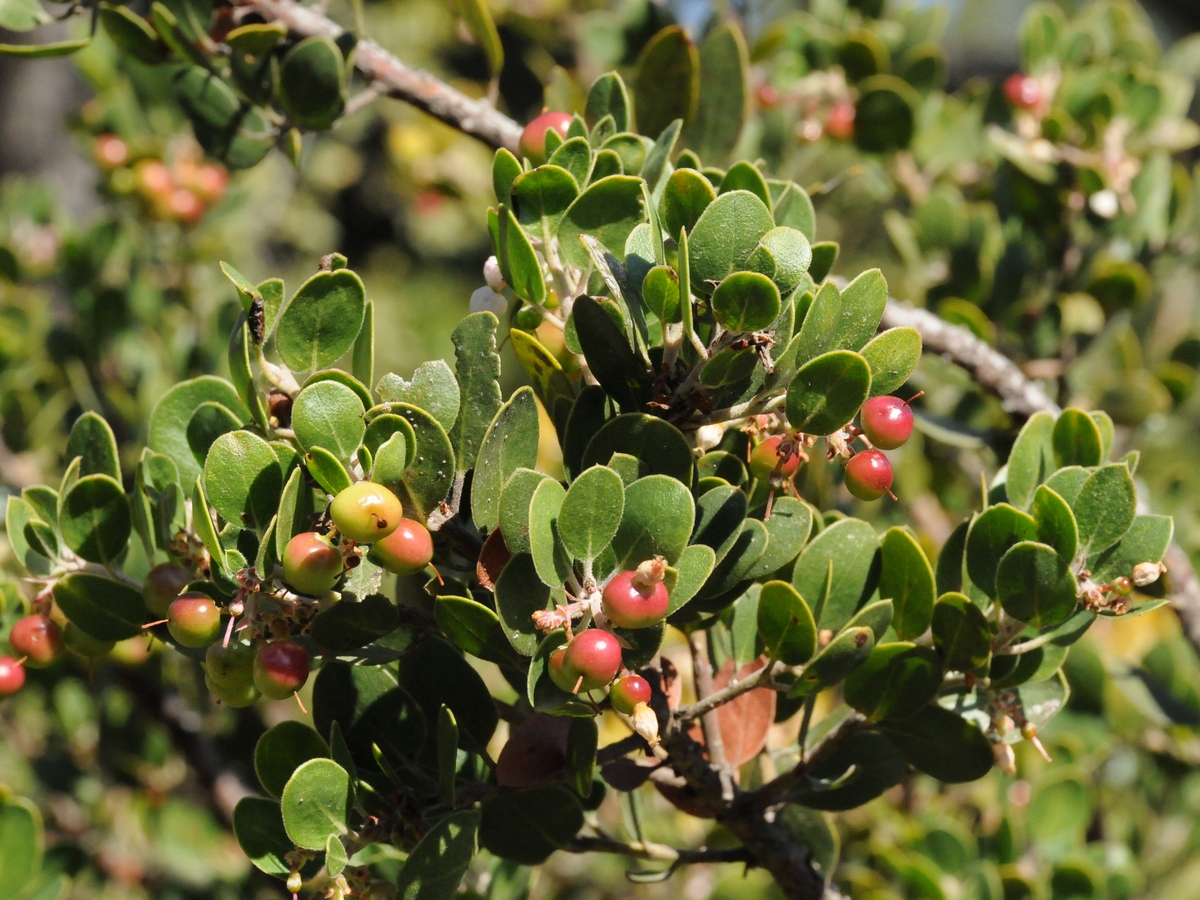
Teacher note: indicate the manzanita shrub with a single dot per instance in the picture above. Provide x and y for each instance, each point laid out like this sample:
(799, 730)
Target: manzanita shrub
(681, 329)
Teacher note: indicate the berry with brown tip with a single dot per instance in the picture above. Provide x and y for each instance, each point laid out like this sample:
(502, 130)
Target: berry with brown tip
(886, 421)
(775, 457)
(406, 550)
(637, 598)
(366, 512)
(38, 638)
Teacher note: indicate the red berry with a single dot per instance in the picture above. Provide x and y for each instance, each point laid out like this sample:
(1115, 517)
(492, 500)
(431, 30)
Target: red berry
(38, 638)
(211, 182)
(280, 669)
(593, 655)
(366, 512)
(1022, 91)
(194, 620)
(12, 676)
(558, 674)
(533, 138)
(310, 564)
(629, 602)
(109, 151)
(869, 475)
(154, 179)
(406, 550)
(773, 458)
(185, 205)
(163, 584)
(839, 124)
(768, 95)
(627, 692)
(886, 421)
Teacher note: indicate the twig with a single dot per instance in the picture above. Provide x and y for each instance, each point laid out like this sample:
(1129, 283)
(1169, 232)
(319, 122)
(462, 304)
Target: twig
(392, 77)
(729, 692)
(703, 675)
(660, 852)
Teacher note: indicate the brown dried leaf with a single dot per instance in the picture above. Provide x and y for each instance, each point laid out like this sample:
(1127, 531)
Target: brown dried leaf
(536, 753)
(492, 559)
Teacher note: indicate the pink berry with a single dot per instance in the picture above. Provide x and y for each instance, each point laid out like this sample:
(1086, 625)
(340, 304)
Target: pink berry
(280, 669)
(558, 673)
(406, 550)
(631, 602)
(839, 125)
(627, 692)
(38, 638)
(12, 676)
(886, 421)
(533, 138)
(869, 475)
(593, 655)
(194, 619)
(1022, 91)
(310, 564)
(775, 457)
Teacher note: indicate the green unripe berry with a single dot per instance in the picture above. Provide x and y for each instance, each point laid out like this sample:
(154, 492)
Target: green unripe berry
(236, 696)
(366, 512)
(194, 620)
(406, 550)
(230, 667)
(529, 318)
(310, 564)
(163, 584)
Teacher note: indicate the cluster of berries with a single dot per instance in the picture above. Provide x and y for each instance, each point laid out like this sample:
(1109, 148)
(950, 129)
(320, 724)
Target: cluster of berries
(886, 422)
(181, 192)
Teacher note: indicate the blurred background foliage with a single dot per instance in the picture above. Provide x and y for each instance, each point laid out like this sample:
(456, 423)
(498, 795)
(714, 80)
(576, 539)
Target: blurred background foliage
(1066, 236)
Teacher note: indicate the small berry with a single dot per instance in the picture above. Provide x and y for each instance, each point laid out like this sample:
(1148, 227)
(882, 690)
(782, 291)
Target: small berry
(366, 512)
(154, 179)
(775, 458)
(767, 95)
(194, 620)
(280, 669)
(109, 151)
(839, 124)
(163, 584)
(533, 138)
(38, 638)
(1120, 585)
(406, 550)
(886, 421)
(1022, 91)
(636, 600)
(184, 205)
(310, 564)
(627, 692)
(79, 641)
(593, 655)
(559, 674)
(529, 318)
(869, 475)
(230, 666)
(12, 676)
(238, 696)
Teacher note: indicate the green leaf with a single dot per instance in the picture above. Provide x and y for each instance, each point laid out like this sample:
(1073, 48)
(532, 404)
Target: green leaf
(44, 51)
(735, 563)
(312, 87)
(430, 471)
(243, 480)
(1055, 522)
(433, 388)
(515, 498)
(789, 256)
(23, 15)
(258, 826)
(435, 867)
(892, 356)
(92, 440)
(526, 826)
(884, 116)
(316, 803)
(550, 558)
(322, 321)
(329, 414)
(942, 744)
(992, 533)
(582, 738)
(962, 635)
(19, 516)
(1105, 508)
(541, 197)
(837, 659)
(1035, 585)
(483, 28)
(22, 844)
(1068, 482)
(786, 624)
(667, 84)
(724, 103)
(281, 750)
(391, 460)
(168, 429)
(352, 623)
(695, 565)
(475, 628)
(327, 470)
(104, 609)
(234, 132)
(866, 765)
(656, 443)
(660, 291)
(94, 519)
(685, 197)
(746, 301)
(656, 520)
(1076, 440)
(437, 675)
(371, 709)
(827, 392)
(205, 527)
(511, 443)
(363, 353)
(240, 341)
(907, 580)
(574, 155)
(950, 560)
(1031, 460)
(895, 681)
(518, 262)
(520, 592)
(850, 546)
(477, 367)
(794, 209)
(724, 237)
(591, 512)
(609, 97)
(787, 532)
(1146, 540)
(608, 210)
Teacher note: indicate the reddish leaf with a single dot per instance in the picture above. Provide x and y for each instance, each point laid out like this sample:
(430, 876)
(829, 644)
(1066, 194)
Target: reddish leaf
(492, 559)
(744, 721)
(536, 753)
